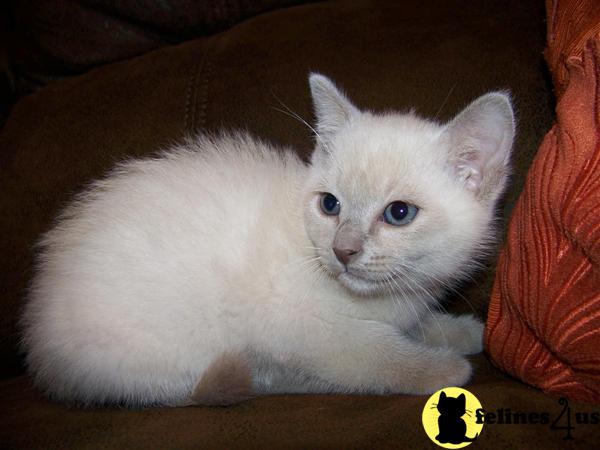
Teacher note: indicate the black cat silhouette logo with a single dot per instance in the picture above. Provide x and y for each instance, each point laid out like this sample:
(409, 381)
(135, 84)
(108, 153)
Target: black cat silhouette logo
(449, 419)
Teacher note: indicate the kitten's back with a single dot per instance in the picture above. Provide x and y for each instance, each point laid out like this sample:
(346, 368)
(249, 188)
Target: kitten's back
(114, 309)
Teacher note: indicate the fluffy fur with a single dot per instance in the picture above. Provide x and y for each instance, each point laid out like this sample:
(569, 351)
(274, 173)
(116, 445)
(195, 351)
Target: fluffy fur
(216, 256)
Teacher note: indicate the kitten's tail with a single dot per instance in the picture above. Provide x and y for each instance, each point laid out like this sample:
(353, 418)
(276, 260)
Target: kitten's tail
(473, 439)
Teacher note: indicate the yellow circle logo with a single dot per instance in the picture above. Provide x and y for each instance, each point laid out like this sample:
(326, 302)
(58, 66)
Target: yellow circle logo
(449, 418)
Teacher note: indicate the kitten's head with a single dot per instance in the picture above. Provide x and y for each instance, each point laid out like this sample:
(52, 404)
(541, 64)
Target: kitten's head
(452, 406)
(398, 203)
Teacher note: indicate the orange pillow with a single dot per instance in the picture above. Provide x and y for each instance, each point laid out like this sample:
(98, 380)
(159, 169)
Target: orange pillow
(544, 316)
(571, 23)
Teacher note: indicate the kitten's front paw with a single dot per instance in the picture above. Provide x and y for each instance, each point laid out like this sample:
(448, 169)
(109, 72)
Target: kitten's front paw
(462, 334)
(450, 370)
(468, 336)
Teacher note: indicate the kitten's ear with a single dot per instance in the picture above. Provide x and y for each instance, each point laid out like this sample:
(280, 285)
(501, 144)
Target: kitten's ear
(442, 396)
(481, 138)
(463, 400)
(332, 108)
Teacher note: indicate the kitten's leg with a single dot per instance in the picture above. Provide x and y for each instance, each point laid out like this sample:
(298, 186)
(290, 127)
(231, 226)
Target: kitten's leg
(371, 357)
(227, 380)
(235, 377)
(358, 356)
(461, 333)
(289, 377)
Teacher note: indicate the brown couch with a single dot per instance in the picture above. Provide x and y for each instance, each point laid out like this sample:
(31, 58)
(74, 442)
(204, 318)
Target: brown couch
(98, 82)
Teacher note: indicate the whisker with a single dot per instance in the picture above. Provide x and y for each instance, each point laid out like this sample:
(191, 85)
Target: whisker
(288, 111)
(408, 283)
(313, 267)
(407, 301)
(295, 266)
(444, 102)
(447, 285)
(318, 273)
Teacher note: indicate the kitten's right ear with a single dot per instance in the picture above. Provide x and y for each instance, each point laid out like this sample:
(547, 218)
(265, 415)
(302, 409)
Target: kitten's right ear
(442, 396)
(332, 108)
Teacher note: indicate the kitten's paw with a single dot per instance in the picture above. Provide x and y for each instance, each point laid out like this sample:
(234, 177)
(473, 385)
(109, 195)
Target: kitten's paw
(463, 334)
(467, 338)
(450, 370)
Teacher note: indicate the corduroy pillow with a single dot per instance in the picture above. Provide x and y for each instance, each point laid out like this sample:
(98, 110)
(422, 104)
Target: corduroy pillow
(544, 316)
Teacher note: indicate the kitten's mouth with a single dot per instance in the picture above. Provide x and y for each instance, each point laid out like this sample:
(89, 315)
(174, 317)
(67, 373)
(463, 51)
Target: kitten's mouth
(358, 283)
(355, 281)
(358, 275)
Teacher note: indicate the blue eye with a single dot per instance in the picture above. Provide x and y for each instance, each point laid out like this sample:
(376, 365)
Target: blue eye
(329, 204)
(399, 213)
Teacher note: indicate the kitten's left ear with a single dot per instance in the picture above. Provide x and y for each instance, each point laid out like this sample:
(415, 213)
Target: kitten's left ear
(332, 107)
(481, 138)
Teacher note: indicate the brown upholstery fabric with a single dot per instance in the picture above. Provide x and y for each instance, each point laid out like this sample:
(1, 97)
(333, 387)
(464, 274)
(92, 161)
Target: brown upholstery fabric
(435, 55)
(61, 37)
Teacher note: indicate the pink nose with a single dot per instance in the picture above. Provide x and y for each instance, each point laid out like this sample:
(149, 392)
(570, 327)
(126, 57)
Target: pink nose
(345, 255)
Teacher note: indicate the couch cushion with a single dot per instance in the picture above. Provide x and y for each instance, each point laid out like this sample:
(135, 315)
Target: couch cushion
(283, 421)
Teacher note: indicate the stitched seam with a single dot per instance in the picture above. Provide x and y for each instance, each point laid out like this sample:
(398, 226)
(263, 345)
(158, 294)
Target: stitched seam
(189, 114)
(197, 93)
(188, 96)
(191, 104)
(203, 91)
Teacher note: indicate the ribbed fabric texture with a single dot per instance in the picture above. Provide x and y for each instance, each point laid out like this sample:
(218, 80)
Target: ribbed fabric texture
(570, 24)
(544, 316)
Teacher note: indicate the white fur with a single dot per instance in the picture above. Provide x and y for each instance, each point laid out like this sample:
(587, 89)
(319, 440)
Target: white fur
(219, 246)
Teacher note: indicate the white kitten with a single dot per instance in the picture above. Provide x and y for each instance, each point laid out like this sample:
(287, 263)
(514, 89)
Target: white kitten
(226, 268)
